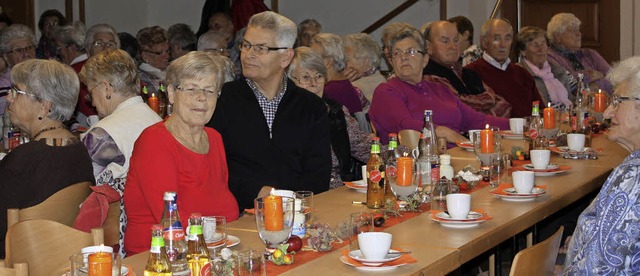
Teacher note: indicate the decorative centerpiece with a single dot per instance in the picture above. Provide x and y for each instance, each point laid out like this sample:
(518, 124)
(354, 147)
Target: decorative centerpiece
(466, 179)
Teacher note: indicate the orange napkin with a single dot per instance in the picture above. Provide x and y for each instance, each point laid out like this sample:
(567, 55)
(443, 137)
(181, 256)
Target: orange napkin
(404, 259)
(464, 144)
(503, 186)
(354, 186)
(250, 211)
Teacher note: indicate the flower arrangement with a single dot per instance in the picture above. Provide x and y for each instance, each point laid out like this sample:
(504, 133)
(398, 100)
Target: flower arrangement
(467, 178)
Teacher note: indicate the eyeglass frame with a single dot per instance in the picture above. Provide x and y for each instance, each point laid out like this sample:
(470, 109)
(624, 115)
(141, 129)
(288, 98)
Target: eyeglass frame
(88, 96)
(316, 79)
(192, 91)
(22, 50)
(14, 91)
(412, 52)
(104, 44)
(617, 100)
(260, 50)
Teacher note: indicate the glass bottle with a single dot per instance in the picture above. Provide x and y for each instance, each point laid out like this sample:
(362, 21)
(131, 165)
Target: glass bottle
(538, 141)
(197, 252)
(429, 156)
(144, 93)
(163, 100)
(158, 262)
(174, 235)
(446, 170)
(581, 120)
(390, 162)
(375, 177)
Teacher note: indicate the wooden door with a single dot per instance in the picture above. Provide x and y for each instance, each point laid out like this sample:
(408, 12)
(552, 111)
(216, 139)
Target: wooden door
(600, 20)
(19, 11)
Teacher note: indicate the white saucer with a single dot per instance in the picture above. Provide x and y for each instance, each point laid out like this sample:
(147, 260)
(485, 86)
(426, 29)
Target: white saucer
(508, 134)
(470, 217)
(231, 241)
(359, 186)
(344, 260)
(513, 196)
(458, 224)
(358, 256)
(529, 167)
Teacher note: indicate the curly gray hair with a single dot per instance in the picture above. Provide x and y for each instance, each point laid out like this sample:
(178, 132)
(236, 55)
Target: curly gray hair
(99, 28)
(627, 70)
(331, 45)
(15, 31)
(307, 58)
(50, 81)
(364, 47)
(71, 35)
(196, 65)
(116, 67)
(559, 23)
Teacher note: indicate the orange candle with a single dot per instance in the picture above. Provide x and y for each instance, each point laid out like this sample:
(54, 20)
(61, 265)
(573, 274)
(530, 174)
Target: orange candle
(404, 176)
(600, 101)
(100, 264)
(273, 214)
(153, 103)
(486, 140)
(549, 117)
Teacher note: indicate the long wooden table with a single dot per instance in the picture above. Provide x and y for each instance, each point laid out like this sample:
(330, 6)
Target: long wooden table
(440, 250)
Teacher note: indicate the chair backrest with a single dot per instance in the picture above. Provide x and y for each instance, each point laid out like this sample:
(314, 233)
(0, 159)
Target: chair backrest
(20, 269)
(62, 207)
(46, 245)
(538, 259)
(409, 138)
(111, 225)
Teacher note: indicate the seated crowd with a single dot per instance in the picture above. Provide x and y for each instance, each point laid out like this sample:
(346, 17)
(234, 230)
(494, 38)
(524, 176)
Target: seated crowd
(274, 105)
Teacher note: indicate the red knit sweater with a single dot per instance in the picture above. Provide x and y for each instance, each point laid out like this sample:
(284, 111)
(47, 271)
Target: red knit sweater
(514, 84)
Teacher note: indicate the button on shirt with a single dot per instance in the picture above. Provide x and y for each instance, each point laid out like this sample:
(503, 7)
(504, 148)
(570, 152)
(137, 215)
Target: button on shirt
(269, 107)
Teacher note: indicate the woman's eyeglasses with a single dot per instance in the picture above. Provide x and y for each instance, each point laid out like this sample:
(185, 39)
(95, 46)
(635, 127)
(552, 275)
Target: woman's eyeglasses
(306, 79)
(616, 100)
(410, 52)
(193, 91)
(14, 91)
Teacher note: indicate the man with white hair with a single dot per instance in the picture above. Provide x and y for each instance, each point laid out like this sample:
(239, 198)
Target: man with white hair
(508, 80)
(214, 42)
(275, 133)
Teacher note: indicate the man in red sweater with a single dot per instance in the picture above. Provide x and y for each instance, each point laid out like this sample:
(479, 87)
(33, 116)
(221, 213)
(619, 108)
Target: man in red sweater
(508, 80)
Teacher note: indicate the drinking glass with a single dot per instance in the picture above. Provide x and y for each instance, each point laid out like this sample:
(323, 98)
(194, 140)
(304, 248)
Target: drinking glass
(83, 264)
(439, 194)
(407, 179)
(484, 158)
(498, 169)
(251, 263)
(273, 238)
(359, 222)
(306, 206)
(214, 231)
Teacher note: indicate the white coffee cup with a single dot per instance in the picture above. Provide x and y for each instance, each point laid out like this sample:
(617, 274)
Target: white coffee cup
(471, 132)
(540, 159)
(97, 248)
(374, 245)
(286, 193)
(523, 181)
(364, 173)
(575, 141)
(516, 125)
(458, 205)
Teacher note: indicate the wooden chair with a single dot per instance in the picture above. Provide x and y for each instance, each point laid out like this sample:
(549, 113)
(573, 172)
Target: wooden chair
(409, 138)
(46, 245)
(19, 269)
(538, 259)
(111, 225)
(62, 207)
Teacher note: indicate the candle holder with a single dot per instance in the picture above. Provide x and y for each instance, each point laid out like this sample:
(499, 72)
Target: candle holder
(274, 220)
(405, 183)
(484, 154)
(96, 263)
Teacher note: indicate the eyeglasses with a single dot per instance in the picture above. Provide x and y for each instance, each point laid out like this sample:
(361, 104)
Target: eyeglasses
(411, 52)
(193, 91)
(157, 53)
(14, 91)
(306, 79)
(88, 96)
(219, 51)
(616, 100)
(258, 49)
(51, 24)
(104, 44)
(22, 51)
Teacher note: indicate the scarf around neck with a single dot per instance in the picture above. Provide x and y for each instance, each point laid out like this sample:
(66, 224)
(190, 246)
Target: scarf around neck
(556, 90)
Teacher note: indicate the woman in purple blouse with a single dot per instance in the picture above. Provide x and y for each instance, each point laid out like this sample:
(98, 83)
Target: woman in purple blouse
(400, 102)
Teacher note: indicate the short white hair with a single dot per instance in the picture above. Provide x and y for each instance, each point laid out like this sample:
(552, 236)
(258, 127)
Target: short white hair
(286, 31)
(627, 70)
(559, 23)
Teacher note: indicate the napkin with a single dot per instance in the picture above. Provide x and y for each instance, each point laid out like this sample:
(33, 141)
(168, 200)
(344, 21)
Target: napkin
(404, 259)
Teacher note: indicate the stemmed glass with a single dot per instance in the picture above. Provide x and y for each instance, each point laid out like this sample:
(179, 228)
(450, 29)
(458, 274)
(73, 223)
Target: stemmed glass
(274, 222)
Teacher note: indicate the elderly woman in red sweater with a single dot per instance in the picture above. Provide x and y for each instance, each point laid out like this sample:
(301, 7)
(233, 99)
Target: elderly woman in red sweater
(180, 154)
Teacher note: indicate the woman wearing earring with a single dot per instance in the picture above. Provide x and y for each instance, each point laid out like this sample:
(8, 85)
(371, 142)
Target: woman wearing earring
(112, 81)
(44, 95)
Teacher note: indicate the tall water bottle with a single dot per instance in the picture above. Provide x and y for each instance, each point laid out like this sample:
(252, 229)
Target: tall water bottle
(428, 160)
(174, 235)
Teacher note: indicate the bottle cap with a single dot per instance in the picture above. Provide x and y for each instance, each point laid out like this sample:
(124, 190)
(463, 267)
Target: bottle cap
(169, 195)
(156, 227)
(375, 138)
(195, 216)
(393, 135)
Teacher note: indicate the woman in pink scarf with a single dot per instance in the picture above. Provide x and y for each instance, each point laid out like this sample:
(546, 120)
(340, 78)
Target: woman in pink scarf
(555, 85)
